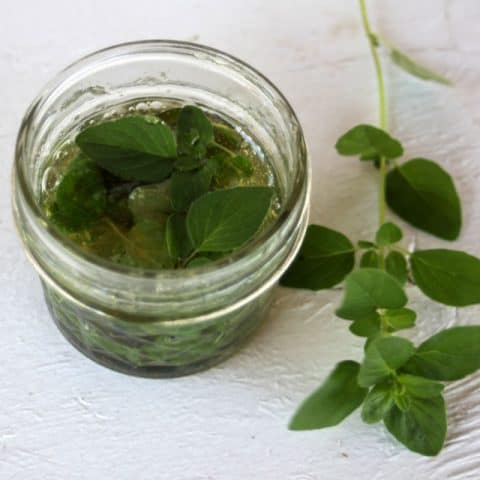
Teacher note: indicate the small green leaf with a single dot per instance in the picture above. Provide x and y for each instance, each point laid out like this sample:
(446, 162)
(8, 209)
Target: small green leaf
(377, 404)
(324, 260)
(420, 387)
(370, 259)
(413, 68)
(447, 276)
(366, 327)
(150, 201)
(403, 401)
(337, 398)
(388, 234)
(396, 266)
(146, 245)
(423, 194)
(227, 136)
(366, 245)
(382, 358)
(131, 148)
(224, 220)
(178, 242)
(242, 164)
(188, 186)
(199, 261)
(367, 290)
(80, 197)
(369, 142)
(399, 319)
(422, 428)
(449, 355)
(194, 133)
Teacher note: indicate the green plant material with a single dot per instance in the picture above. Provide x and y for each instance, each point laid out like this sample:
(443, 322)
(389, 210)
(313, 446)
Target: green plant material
(337, 398)
(80, 197)
(382, 358)
(368, 327)
(423, 194)
(194, 133)
(377, 403)
(188, 186)
(178, 242)
(199, 262)
(420, 387)
(131, 148)
(415, 69)
(388, 234)
(170, 116)
(366, 291)
(366, 245)
(225, 220)
(447, 276)
(396, 266)
(118, 212)
(402, 400)
(242, 164)
(399, 319)
(324, 260)
(422, 428)
(150, 201)
(449, 355)
(370, 259)
(226, 135)
(370, 142)
(145, 245)
(406, 391)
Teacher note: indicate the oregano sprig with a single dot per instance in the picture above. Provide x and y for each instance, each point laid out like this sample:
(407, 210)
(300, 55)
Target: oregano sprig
(396, 382)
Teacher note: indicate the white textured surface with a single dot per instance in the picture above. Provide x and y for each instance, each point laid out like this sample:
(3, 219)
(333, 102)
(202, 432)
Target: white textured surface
(62, 417)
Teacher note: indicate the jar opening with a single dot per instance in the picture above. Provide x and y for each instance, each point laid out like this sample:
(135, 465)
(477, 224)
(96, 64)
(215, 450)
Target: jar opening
(62, 93)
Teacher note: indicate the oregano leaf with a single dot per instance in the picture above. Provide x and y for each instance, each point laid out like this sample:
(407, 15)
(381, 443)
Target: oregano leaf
(423, 193)
(413, 68)
(368, 327)
(367, 290)
(399, 319)
(325, 258)
(368, 141)
(337, 398)
(396, 266)
(370, 259)
(420, 387)
(447, 276)
(449, 355)
(422, 428)
(224, 220)
(80, 197)
(131, 148)
(188, 186)
(194, 133)
(382, 358)
(388, 234)
(366, 244)
(377, 403)
(178, 242)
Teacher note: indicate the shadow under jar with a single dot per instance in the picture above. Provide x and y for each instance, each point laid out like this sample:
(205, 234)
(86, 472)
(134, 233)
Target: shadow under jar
(162, 323)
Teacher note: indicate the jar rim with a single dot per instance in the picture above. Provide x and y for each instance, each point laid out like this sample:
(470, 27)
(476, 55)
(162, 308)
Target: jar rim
(301, 185)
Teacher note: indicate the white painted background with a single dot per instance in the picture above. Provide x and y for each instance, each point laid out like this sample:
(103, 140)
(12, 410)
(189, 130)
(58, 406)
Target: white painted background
(64, 418)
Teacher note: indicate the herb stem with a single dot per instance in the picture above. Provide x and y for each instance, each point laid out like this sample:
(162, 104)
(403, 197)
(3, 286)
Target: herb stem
(382, 107)
(224, 149)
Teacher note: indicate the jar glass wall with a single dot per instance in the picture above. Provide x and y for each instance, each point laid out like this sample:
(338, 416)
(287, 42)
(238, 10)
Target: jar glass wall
(167, 322)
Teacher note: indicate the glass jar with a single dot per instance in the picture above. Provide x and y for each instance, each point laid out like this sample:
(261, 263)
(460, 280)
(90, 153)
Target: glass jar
(160, 323)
